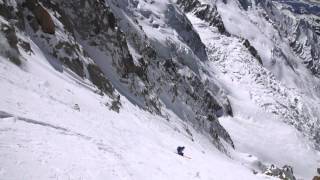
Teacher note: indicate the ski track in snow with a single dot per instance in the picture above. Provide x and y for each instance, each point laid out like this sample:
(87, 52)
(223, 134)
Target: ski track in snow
(45, 138)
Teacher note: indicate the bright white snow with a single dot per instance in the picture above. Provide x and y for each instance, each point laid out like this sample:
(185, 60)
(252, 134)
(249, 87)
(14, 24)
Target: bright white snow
(44, 137)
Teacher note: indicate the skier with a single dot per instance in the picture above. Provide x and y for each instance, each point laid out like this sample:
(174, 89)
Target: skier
(180, 150)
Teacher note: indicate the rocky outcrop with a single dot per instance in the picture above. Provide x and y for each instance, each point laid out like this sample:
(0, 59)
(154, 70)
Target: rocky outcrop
(252, 51)
(99, 79)
(183, 26)
(172, 79)
(9, 44)
(42, 16)
(206, 12)
(194, 93)
(90, 44)
(286, 172)
(69, 54)
(64, 51)
(9, 48)
(316, 25)
(306, 45)
(245, 4)
(316, 178)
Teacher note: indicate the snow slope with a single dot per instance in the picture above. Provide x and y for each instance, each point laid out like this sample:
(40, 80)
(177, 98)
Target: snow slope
(255, 131)
(44, 137)
(163, 63)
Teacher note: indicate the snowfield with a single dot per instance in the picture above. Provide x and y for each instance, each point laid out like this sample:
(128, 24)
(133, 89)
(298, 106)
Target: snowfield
(43, 137)
(56, 125)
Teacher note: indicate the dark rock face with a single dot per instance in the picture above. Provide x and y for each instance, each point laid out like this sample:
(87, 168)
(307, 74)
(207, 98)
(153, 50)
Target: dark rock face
(112, 21)
(312, 58)
(12, 52)
(317, 27)
(92, 20)
(7, 11)
(98, 78)
(75, 65)
(252, 51)
(9, 33)
(245, 4)
(66, 52)
(191, 91)
(205, 12)
(183, 26)
(42, 16)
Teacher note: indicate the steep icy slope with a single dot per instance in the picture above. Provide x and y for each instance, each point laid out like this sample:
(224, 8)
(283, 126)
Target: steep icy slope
(108, 89)
(64, 64)
(254, 130)
(256, 65)
(127, 61)
(172, 71)
(299, 104)
(43, 136)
